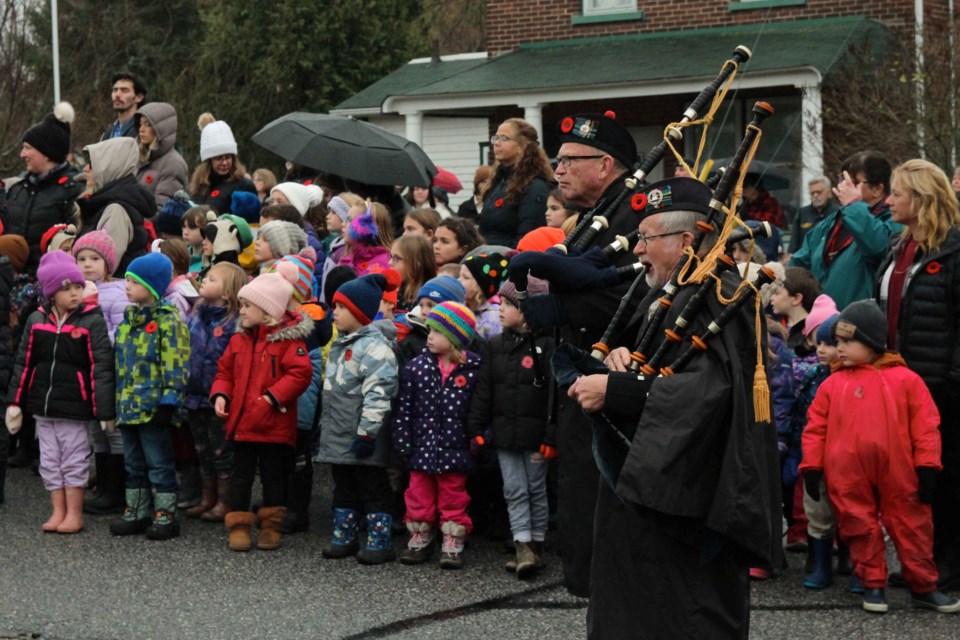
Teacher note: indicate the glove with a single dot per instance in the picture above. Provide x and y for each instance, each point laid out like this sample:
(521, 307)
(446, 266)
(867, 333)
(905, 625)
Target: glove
(108, 425)
(928, 484)
(163, 417)
(811, 482)
(363, 447)
(14, 419)
(476, 445)
(549, 453)
(543, 312)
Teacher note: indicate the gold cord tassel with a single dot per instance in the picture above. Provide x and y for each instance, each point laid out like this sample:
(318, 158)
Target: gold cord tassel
(761, 390)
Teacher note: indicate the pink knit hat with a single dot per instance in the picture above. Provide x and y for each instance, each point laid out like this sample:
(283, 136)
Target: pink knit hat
(271, 292)
(823, 308)
(98, 241)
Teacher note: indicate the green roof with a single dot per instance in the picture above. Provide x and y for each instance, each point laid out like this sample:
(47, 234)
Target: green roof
(617, 60)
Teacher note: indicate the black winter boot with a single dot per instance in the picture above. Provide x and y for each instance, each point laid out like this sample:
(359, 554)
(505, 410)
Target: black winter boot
(111, 480)
(299, 492)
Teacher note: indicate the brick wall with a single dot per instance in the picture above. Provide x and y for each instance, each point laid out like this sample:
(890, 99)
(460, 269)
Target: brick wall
(511, 22)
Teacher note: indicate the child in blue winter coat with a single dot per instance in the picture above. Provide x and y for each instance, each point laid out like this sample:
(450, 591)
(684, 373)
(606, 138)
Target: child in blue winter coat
(360, 381)
(430, 432)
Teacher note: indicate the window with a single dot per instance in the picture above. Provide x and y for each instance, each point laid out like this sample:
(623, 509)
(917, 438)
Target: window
(605, 7)
(746, 5)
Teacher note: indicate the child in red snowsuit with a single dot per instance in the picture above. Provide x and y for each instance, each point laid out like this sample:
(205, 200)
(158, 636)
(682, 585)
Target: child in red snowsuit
(872, 437)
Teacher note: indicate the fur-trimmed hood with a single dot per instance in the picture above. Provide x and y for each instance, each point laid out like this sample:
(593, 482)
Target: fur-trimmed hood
(294, 325)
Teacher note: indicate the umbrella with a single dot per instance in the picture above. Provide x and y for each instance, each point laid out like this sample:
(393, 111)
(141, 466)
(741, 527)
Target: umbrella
(447, 181)
(347, 147)
(773, 177)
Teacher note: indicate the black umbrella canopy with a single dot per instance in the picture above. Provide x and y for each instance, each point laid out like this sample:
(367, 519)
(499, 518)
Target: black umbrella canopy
(772, 176)
(347, 147)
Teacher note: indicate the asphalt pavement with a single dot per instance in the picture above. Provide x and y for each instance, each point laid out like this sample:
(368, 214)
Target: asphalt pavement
(94, 586)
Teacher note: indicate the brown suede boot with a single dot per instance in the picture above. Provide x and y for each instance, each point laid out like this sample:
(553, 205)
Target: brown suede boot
(208, 497)
(269, 520)
(239, 524)
(73, 522)
(222, 507)
(58, 499)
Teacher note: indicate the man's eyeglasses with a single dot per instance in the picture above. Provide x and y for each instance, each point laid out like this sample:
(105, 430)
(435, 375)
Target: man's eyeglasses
(565, 161)
(646, 239)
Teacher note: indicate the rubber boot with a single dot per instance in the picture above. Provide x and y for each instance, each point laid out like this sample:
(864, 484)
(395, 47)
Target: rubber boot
(379, 548)
(136, 515)
(73, 523)
(269, 519)
(191, 491)
(420, 546)
(239, 524)
(112, 477)
(451, 553)
(844, 564)
(208, 499)
(58, 499)
(222, 508)
(299, 492)
(937, 601)
(526, 560)
(822, 575)
(344, 543)
(165, 525)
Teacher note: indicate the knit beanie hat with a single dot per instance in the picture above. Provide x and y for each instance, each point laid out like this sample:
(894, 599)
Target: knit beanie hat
(298, 271)
(170, 216)
(271, 292)
(864, 321)
(284, 238)
(244, 232)
(336, 278)
(216, 139)
(823, 308)
(362, 296)
(392, 291)
(339, 206)
(154, 271)
(489, 270)
(301, 196)
(825, 330)
(454, 321)
(51, 136)
(535, 287)
(442, 289)
(363, 229)
(16, 249)
(55, 236)
(246, 205)
(100, 242)
(541, 239)
(57, 269)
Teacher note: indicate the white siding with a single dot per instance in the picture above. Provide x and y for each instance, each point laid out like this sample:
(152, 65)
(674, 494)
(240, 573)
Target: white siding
(452, 143)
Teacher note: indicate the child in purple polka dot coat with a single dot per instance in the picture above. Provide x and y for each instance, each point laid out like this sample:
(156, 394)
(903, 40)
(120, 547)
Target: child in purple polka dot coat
(430, 435)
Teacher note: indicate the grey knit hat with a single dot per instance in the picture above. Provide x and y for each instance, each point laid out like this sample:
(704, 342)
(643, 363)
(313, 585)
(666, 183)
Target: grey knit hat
(285, 238)
(864, 321)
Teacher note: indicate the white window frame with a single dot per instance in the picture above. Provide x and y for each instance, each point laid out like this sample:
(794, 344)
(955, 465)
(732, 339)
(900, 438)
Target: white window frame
(627, 6)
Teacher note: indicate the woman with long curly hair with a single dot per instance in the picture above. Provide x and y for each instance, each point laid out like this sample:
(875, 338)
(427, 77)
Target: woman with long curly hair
(919, 288)
(515, 197)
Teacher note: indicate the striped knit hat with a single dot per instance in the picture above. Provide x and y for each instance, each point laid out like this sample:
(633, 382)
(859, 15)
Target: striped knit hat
(454, 321)
(298, 271)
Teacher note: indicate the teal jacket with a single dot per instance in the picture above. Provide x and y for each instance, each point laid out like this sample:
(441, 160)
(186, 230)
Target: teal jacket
(152, 351)
(851, 275)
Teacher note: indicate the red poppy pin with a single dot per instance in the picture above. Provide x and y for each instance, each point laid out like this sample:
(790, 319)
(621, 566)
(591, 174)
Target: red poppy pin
(460, 381)
(217, 332)
(76, 333)
(638, 202)
(215, 193)
(499, 202)
(307, 183)
(527, 362)
(566, 125)
(151, 327)
(149, 178)
(363, 266)
(348, 355)
(63, 180)
(933, 268)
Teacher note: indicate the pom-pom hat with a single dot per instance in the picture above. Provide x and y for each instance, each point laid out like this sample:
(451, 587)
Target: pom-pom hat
(55, 236)
(489, 270)
(57, 270)
(301, 196)
(600, 131)
(298, 271)
(100, 242)
(363, 229)
(362, 296)
(454, 321)
(51, 136)
(216, 139)
(271, 292)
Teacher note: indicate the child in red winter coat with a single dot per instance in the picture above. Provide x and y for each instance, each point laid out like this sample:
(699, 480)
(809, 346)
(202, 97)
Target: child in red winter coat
(872, 437)
(259, 378)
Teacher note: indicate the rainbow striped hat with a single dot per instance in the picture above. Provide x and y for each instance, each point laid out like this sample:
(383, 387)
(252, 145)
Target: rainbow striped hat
(454, 321)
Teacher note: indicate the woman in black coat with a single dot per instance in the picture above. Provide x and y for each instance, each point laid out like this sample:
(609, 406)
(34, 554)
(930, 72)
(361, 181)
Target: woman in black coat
(220, 173)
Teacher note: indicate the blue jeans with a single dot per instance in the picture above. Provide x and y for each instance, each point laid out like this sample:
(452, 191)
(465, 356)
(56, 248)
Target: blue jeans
(525, 490)
(149, 459)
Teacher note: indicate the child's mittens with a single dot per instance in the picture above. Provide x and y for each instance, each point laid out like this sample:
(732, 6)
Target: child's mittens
(108, 425)
(14, 419)
(548, 452)
(363, 447)
(927, 477)
(476, 445)
(811, 482)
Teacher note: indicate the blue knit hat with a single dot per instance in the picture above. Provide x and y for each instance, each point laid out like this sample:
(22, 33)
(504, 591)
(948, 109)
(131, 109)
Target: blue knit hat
(169, 217)
(825, 330)
(442, 289)
(154, 271)
(454, 321)
(362, 296)
(246, 205)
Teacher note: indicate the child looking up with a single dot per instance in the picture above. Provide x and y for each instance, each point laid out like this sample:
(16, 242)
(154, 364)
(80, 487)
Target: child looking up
(152, 350)
(872, 436)
(430, 433)
(64, 377)
(360, 382)
(259, 378)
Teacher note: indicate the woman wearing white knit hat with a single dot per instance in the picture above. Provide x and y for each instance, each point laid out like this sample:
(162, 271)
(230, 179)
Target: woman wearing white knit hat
(220, 173)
